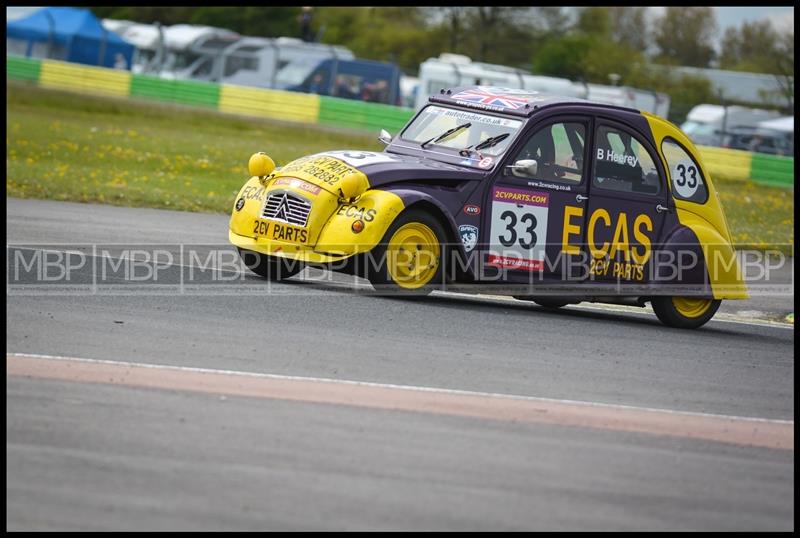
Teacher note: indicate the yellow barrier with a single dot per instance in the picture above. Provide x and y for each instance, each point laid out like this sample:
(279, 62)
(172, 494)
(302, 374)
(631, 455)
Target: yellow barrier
(274, 104)
(100, 80)
(725, 163)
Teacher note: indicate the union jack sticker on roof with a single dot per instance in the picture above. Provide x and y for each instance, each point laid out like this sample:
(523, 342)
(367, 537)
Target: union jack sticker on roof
(498, 97)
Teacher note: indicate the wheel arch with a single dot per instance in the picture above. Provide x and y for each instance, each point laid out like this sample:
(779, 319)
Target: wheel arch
(429, 204)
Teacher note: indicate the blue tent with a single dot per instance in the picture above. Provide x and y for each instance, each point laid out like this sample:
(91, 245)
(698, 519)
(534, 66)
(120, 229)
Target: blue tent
(70, 34)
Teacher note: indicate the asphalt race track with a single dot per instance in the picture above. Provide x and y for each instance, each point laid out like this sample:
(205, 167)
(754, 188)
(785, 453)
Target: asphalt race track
(222, 402)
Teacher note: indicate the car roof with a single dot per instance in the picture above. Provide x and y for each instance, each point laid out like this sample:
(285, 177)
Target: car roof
(514, 101)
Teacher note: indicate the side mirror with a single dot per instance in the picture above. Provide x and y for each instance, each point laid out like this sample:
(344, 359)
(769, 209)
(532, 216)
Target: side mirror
(385, 137)
(525, 168)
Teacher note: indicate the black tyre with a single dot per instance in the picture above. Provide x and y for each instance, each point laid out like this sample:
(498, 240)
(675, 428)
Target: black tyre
(547, 302)
(550, 303)
(409, 260)
(271, 268)
(684, 312)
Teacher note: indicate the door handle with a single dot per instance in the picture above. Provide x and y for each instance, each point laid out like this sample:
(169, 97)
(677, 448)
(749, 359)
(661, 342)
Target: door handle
(580, 198)
(660, 209)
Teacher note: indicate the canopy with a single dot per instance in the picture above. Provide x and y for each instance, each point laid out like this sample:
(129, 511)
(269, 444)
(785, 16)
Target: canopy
(785, 124)
(70, 34)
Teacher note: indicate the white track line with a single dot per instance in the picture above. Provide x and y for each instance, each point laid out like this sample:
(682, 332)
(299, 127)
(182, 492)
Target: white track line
(398, 387)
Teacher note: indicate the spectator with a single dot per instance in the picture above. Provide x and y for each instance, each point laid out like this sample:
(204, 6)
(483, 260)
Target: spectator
(120, 62)
(377, 92)
(367, 91)
(341, 88)
(305, 24)
(316, 84)
(755, 144)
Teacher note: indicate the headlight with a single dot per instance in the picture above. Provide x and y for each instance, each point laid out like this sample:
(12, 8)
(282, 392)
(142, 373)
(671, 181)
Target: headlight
(260, 164)
(352, 186)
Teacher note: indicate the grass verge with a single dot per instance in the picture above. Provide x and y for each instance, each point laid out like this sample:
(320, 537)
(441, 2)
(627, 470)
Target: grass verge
(63, 146)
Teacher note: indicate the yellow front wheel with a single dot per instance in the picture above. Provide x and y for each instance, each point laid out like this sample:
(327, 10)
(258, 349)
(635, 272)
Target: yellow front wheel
(685, 312)
(409, 259)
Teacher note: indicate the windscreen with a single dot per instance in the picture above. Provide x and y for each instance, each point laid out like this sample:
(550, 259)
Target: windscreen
(434, 121)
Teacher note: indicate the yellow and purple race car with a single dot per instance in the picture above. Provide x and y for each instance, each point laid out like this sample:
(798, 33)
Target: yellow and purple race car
(556, 200)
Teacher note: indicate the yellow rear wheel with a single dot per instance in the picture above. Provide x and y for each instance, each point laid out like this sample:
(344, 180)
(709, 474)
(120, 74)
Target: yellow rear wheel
(691, 307)
(685, 312)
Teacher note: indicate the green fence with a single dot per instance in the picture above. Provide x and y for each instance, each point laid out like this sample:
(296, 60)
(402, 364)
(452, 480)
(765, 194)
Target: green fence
(358, 115)
(772, 170)
(175, 91)
(23, 68)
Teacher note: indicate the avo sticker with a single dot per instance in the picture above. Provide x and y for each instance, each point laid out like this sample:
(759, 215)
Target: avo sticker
(472, 209)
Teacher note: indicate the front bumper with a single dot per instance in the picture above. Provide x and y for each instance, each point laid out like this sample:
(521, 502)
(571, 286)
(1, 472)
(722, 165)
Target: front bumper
(283, 250)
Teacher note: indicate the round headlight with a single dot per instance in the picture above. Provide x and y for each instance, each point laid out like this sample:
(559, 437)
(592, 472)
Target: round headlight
(352, 186)
(260, 164)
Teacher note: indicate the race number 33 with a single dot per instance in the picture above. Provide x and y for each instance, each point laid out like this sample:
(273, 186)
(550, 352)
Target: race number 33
(686, 178)
(518, 229)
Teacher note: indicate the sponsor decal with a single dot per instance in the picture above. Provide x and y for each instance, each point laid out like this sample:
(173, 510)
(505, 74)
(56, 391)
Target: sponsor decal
(464, 116)
(298, 184)
(553, 186)
(286, 232)
(239, 204)
(507, 262)
(280, 231)
(605, 253)
(518, 229)
(358, 213)
(504, 194)
(327, 169)
(482, 107)
(469, 236)
(253, 193)
(472, 209)
(486, 162)
(495, 97)
(260, 227)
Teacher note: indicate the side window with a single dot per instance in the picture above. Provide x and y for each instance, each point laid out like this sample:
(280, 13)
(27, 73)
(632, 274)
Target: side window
(622, 163)
(687, 179)
(558, 150)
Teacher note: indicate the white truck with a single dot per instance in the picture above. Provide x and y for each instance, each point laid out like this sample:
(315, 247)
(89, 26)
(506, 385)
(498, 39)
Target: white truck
(186, 51)
(174, 52)
(649, 101)
(256, 61)
(708, 125)
(452, 70)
